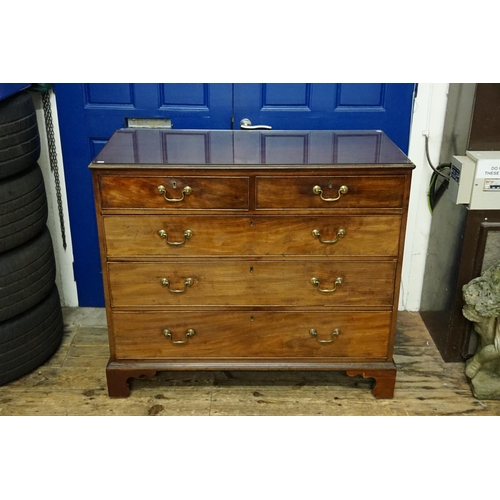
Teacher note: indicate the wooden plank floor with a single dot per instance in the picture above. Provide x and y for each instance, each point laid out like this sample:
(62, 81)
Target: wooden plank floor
(73, 382)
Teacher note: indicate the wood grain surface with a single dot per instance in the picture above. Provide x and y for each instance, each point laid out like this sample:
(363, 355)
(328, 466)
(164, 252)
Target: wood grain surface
(297, 192)
(73, 382)
(252, 334)
(252, 283)
(207, 192)
(258, 245)
(138, 235)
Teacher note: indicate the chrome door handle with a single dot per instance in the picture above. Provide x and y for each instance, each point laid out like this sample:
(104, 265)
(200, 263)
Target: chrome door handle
(246, 124)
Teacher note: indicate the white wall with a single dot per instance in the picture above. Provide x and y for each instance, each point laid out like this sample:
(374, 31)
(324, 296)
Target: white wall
(428, 116)
(65, 279)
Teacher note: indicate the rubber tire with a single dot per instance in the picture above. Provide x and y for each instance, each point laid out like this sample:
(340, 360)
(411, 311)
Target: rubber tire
(27, 275)
(19, 135)
(23, 208)
(30, 339)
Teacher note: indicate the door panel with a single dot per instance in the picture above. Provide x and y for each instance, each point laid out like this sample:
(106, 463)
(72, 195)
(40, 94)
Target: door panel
(88, 115)
(323, 106)
(99, 94)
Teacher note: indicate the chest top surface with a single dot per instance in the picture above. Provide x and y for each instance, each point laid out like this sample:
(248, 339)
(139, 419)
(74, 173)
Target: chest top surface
(131, 148)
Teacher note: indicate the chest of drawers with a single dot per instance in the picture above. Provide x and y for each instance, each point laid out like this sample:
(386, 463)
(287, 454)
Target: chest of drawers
(225, 250)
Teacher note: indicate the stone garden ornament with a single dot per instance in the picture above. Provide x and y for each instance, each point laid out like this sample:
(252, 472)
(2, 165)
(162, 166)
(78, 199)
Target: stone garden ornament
(482, 307)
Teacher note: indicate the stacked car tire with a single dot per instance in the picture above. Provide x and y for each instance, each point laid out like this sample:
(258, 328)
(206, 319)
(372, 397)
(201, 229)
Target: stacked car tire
(31, 324)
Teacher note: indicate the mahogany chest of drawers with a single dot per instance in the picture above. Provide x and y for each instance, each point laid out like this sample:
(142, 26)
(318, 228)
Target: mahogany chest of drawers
(251, 250)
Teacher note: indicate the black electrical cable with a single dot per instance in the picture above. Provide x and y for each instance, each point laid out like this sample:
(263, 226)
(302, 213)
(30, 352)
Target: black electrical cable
(436, 170)
(434, 193)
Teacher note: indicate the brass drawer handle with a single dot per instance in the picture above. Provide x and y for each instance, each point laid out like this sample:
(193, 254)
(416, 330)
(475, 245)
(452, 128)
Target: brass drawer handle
(187, 234)
(189, 333)
(340, 234)
(186, 191)
(342, 190)
(187, 282)
(316, 283)
(314, 333)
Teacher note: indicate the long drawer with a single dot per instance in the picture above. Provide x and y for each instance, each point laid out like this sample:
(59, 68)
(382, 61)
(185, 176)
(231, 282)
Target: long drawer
(334, 192)
(252, 283)
(251, 334)
(174, 193)
(184, 236)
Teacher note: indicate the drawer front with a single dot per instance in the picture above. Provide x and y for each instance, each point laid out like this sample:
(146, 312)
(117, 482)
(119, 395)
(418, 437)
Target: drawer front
(303, 192)
(251, 334)
(184, 236)
(184, 193)
(252, 283)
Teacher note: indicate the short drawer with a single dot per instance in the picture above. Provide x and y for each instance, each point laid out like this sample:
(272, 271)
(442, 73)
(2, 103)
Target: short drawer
(185, 236)
(214, 335)
(174, 193)
(252, 283)
(335, 192)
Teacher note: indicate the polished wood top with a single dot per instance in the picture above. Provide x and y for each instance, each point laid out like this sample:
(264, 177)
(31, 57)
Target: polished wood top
(243, 147)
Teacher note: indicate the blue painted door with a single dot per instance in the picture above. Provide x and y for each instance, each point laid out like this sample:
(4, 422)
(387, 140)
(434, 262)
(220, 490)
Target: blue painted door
(90, 113)
(88, 116)
(328, 106)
